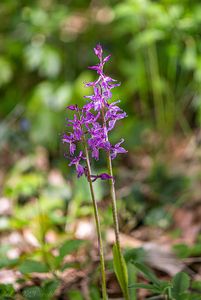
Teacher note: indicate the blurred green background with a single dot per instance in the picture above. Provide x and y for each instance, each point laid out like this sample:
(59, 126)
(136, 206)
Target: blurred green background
(46, 47)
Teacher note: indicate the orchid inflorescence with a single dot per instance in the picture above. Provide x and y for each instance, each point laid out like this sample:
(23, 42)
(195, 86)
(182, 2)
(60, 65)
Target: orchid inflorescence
(92, 123)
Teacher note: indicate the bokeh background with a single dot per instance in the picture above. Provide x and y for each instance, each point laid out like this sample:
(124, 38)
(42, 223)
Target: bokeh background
(46, 47)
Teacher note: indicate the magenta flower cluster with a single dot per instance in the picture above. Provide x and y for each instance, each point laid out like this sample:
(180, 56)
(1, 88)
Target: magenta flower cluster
(92, 123)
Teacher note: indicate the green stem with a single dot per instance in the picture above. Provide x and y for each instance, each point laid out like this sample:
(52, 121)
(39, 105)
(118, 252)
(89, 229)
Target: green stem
(97, 220)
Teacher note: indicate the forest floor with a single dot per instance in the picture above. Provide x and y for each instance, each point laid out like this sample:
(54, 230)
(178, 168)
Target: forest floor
(48, 242)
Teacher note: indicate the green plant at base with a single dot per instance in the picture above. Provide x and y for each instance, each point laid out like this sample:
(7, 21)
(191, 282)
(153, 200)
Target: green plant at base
(176, 289)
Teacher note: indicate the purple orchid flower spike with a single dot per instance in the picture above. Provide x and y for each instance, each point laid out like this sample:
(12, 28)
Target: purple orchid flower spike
(99, 103)
(97, 118)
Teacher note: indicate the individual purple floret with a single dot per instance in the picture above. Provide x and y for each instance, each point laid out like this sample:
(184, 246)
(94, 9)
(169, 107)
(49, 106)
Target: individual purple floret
(116, 149)
(72, 107)
(70, 139)
(103, 176)
(76, 161)
(95, 120)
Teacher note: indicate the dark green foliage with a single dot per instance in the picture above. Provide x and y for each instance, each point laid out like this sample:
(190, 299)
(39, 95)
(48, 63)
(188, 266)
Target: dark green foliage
(134, 255)
(177, 289)
(7, 291)
(68, 247)
(180, 284)
(30, 266)
(33, 292)
(155, 51)
(45, 292)
(75, 295)
(184, 251)
(94, 293)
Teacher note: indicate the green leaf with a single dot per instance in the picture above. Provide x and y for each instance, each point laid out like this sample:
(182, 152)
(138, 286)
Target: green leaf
(132, 279)
(32, 293)
(94, 293)
(30, 266)
(75, 295)
(133, 255)
(6, 262)
(69, 246)
(180, 283)
(6, 290)
(181, 250)
(164, 285)
(196, 285)
(148, 273)
(120, 269)
(142, 286)
(49, 288)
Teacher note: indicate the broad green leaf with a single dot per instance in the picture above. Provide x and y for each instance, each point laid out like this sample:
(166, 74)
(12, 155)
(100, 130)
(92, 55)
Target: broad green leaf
(181, 250)
(75, 295)
(180, 284)
(6, 262)
(32, 293)
(49, 288)
(94, 293)
(120, 269)
(69, 246)
(30, 266)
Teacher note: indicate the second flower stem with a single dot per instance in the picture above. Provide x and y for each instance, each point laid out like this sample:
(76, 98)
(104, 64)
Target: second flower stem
(114, 209)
